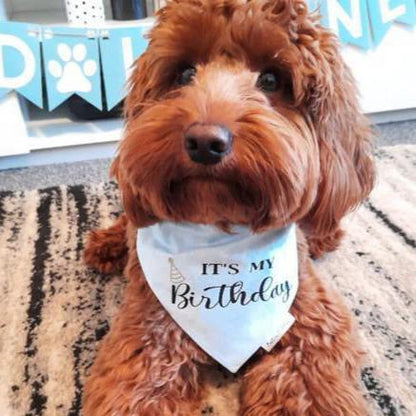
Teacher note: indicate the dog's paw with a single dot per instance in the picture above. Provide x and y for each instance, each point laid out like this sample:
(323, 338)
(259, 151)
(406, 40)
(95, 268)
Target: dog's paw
(132, 399)
(106, 250)
(170, 406)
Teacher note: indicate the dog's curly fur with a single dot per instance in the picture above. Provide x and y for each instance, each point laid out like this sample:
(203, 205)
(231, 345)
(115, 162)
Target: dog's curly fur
(301, 154)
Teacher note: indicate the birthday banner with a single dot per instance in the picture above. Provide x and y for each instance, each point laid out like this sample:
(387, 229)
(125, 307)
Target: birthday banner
(95, 63)
(65, 61)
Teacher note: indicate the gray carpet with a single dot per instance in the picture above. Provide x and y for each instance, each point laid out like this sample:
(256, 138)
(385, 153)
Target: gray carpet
(55, 311)
(92, 171)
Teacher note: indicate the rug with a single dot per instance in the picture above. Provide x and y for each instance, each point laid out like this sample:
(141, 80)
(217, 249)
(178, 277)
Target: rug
(54, 311)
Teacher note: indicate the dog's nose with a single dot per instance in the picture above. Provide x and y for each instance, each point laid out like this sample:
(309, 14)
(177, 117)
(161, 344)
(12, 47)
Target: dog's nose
(207, 143)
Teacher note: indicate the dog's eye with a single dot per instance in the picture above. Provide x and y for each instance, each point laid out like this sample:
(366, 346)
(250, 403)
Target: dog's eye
(186, 75)
(268, 81)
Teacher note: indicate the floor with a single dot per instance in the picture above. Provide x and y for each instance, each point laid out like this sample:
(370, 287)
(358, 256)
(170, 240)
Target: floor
(96, 171)
(60, 309)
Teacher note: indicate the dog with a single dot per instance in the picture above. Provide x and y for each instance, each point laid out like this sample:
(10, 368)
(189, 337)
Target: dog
(239, 113)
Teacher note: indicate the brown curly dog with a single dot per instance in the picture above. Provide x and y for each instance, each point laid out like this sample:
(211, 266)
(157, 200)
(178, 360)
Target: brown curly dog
(239, 112)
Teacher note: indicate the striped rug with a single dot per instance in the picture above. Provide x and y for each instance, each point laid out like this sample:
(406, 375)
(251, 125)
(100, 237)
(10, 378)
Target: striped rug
(54, 311)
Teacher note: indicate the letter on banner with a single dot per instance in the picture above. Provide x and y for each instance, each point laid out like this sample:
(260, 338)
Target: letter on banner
(128, 58)
(20, 68)
(119, 49)
(387, 14)
(72, 65)
(349, 20)
(384, 12)
(28, 69)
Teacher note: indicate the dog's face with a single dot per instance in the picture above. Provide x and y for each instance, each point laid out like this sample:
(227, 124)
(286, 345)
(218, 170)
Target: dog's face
(242, 112)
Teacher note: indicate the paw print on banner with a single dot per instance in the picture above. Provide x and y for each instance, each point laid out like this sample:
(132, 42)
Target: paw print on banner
(73, 70)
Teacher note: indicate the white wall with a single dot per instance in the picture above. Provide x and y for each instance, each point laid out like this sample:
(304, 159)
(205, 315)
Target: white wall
(386, 75)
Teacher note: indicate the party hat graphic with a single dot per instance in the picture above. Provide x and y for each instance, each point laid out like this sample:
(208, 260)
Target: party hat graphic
(175, 275)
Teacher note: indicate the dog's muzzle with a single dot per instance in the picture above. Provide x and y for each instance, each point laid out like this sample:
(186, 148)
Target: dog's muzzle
(207, 143)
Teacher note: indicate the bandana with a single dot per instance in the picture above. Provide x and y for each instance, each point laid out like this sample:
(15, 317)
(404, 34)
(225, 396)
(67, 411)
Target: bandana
(230, 292)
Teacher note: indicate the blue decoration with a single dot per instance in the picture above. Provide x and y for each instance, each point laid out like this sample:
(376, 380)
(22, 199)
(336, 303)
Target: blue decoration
(80, 60)
(20, 63)
(384, 12)
(72, 65)
(119, 49)
(349, 20)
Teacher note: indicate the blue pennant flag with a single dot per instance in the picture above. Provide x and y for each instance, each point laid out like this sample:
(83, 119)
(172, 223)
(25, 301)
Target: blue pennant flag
(20, 67)
(119, 48)
(72, 65)
(80, 60)
(349, 20)
(384, 12)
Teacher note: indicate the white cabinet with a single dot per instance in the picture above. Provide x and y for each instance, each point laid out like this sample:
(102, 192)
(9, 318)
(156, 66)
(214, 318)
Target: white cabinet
(27, 131)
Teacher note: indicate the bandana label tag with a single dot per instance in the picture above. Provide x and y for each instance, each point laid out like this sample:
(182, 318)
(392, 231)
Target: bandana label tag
(284, 326)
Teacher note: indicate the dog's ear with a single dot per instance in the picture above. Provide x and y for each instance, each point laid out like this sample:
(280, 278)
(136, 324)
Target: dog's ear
(148, 79)
(331, 104)
(141, 90)
(132, 204)
(139, 87)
